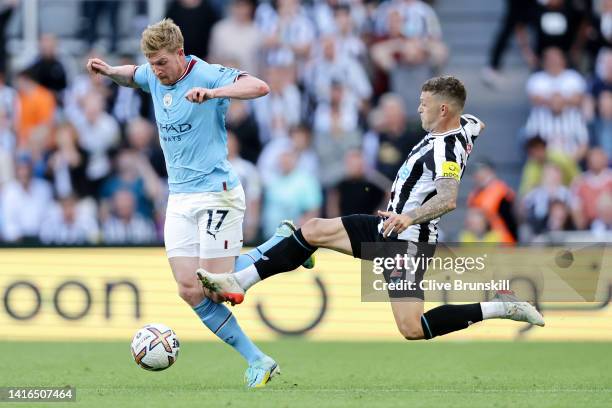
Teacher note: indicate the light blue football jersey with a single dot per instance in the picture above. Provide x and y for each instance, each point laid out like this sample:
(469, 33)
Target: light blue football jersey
(192, 136)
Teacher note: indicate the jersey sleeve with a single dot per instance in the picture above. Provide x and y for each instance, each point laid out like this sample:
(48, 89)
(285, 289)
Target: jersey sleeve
(449, 158)
(141, 77)
(222, 76)
(471, 123)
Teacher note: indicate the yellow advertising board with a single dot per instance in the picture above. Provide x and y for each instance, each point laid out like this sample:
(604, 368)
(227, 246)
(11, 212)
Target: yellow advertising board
(108, 293)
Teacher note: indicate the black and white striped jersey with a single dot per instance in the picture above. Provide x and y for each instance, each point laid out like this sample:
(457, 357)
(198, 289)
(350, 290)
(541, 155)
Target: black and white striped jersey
(438, 155)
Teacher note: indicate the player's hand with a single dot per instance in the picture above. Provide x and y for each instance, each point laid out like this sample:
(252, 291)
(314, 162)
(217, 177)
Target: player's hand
(199, 95)
(394, 222)
(97, 66)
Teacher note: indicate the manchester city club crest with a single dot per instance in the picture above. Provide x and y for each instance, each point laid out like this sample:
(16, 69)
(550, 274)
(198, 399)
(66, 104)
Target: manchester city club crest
(167, 100)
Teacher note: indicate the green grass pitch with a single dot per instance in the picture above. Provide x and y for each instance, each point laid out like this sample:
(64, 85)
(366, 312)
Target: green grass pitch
(417, 374)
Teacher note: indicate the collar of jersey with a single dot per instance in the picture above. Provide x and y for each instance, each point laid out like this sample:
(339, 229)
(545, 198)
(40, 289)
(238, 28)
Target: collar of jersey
(192, 61)
(450, 132)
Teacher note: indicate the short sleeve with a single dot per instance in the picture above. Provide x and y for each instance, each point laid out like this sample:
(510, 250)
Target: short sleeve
(141, 77)
(222, 76)
(471, 123)
(449, 158)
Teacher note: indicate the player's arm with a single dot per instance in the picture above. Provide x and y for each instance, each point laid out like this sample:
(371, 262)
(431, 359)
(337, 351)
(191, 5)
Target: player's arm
(122, 74)
(444, 201)
(244, 87)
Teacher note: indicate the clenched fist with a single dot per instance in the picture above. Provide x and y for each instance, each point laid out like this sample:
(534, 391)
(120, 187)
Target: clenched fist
(199, 95)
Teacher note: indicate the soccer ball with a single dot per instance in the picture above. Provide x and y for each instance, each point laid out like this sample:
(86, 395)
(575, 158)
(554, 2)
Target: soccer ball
(155, 347)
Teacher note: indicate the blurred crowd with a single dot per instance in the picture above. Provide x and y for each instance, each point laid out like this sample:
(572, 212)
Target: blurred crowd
(566, 182)
(80, 161)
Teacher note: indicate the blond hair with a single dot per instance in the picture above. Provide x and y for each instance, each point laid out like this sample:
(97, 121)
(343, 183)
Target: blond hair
(163, 35)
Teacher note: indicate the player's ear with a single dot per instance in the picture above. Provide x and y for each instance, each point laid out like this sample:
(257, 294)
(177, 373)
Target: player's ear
(181, 52)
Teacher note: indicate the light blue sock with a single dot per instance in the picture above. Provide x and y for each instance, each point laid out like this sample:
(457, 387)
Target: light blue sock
(255, 254)
(224, 325)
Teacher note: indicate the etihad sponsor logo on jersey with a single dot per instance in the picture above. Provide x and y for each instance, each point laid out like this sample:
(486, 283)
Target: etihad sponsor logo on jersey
(170, 129)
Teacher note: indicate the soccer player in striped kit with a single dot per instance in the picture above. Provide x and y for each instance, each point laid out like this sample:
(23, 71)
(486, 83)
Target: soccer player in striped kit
(425, 188)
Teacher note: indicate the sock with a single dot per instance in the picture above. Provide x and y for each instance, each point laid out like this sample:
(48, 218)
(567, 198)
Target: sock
(492, 310)
(285, 256)
(224, 325)
(255, 254)
(247, 277)
(449, 318)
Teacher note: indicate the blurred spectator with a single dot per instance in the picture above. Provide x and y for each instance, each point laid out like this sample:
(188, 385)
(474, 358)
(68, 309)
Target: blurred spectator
(7, 149)
(496, 200)
(24, 203)
(517, 17)
(339, 113)
(251, 182)
(9, 102)
(135, 174)
(66, 225)
(291, 195)
(196, 19)
(557, 24)
(393, 136)
(349, 42)
(599, 32)
(240, 118)
(126, 103)
(36, 107)
(329, 65)
(591, 185)
(142, 138)
(98, 135)
(478, 228)
(48, 70)
(237, 38)
(603, 223)
(536, 204)
(556, 94)
(419, 27)
(420, 51)
(125, 225)
(288, 32)
(280, 109)
(359, 192)
(92, 10)
(555, 78)
(602, 126)
(67, 164)
(559, 217)
(6, 11)
(600, 83)
(300, 142)
(335, 133)
(537, 157)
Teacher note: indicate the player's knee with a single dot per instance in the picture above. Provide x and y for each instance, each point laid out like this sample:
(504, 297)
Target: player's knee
(316, 231)
(411, 330)
(191, 294)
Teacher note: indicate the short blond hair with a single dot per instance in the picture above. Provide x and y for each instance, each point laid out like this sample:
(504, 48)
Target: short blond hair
(163, 35)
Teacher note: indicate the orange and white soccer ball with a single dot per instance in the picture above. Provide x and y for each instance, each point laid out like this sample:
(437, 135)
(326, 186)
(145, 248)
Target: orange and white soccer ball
(155, 347)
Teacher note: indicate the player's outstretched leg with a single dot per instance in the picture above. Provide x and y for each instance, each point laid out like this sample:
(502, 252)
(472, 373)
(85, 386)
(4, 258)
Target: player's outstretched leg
(288, 254)
(284, 230)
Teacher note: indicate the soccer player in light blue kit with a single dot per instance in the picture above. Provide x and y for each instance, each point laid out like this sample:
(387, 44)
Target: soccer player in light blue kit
(203, 227)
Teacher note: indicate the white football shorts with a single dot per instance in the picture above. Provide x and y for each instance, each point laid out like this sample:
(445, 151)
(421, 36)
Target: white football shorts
(205, 225)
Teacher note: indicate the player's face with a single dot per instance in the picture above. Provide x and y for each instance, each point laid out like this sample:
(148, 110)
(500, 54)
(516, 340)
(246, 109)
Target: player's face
(429, 110)
(167, 66)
